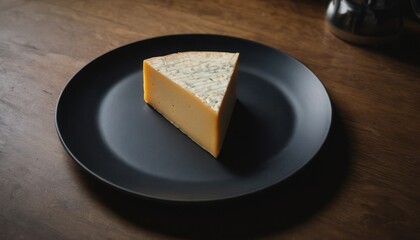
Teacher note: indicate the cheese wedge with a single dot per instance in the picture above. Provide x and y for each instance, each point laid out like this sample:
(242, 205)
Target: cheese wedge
(195, 91)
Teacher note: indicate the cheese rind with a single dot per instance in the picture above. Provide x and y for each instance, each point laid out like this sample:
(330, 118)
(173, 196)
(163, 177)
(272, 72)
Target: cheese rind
(196, 91)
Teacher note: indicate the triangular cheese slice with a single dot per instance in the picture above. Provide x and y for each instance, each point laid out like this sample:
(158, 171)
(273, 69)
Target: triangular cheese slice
(195, 91)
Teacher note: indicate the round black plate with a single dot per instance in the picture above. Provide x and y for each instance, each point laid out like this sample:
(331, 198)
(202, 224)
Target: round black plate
(280, 121)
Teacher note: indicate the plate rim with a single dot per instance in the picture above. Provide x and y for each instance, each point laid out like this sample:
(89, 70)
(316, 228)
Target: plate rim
(250, 191)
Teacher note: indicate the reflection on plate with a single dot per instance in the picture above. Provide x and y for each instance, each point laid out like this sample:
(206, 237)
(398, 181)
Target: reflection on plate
(280, 121)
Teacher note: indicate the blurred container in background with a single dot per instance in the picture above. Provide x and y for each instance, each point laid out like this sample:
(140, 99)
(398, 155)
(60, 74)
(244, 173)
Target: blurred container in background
(367, 22)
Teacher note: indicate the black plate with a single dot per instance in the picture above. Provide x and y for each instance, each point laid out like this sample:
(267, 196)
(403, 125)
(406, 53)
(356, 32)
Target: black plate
(280, 121)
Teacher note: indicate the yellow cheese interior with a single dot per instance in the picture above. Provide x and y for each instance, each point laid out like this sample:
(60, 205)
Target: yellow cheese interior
(197, 120)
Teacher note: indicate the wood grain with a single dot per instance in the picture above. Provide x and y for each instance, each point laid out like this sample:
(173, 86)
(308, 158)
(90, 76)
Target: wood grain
(364, 184)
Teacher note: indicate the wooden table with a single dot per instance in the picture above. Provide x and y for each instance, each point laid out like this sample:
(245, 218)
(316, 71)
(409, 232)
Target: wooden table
(364, 184)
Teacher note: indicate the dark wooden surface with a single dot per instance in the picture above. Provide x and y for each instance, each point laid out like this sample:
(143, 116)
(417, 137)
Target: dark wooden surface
(364, 184)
